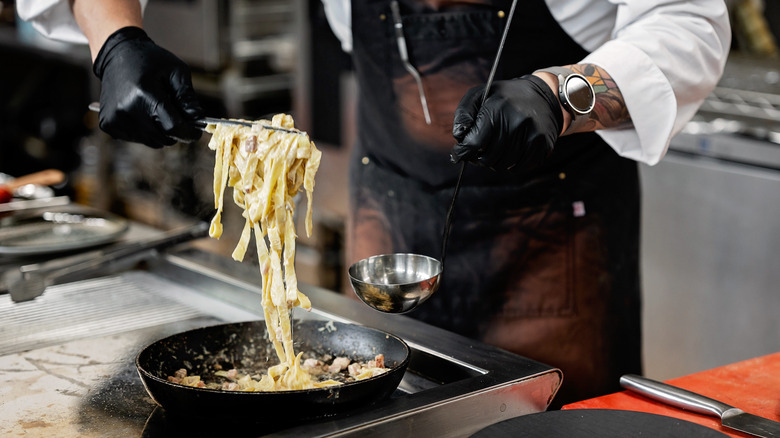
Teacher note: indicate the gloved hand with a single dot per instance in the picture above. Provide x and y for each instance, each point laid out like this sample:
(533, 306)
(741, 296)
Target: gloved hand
(146, 93)
(515, 129)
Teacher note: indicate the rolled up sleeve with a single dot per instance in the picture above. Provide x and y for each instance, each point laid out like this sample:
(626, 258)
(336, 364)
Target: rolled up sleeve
(665, 57)
(54, 19)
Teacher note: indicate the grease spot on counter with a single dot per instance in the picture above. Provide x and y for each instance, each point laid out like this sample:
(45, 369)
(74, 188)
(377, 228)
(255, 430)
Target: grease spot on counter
(33, 424)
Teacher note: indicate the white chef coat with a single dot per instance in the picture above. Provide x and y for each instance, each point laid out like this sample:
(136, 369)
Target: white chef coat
(665, 56)
(54, 19)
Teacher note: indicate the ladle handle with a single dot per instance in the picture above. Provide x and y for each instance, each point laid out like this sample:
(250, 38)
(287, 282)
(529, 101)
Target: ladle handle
(500, 49)
(448, 219)
(450, 211)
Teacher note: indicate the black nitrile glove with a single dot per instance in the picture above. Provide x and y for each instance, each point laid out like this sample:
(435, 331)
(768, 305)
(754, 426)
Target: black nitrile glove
(515, 129)
(146, 93)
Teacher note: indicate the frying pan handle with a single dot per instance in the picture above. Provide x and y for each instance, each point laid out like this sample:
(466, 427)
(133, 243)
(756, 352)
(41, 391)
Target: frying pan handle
(673, 395)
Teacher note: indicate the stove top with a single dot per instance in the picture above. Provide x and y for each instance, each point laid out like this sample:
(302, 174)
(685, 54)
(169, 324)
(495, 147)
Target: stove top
(67, 358)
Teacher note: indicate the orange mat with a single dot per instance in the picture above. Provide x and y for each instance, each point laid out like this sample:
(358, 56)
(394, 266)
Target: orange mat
(752, 385)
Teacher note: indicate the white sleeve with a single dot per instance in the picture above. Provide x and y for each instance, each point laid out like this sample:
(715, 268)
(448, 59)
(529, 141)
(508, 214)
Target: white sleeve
(54, 19)
(339, 15)
(665, 56)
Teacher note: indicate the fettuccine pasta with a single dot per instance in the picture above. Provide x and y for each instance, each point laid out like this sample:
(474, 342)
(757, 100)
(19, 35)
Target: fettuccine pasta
(266, 169)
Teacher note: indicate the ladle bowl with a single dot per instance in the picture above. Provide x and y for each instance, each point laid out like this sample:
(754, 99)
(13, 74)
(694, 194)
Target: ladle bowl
(395, 283)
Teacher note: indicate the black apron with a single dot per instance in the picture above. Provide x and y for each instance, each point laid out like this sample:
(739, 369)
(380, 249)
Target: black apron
(543, 263)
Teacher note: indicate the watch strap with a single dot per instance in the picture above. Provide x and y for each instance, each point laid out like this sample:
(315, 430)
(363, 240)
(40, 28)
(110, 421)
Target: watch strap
(577, 120)
(558, 71)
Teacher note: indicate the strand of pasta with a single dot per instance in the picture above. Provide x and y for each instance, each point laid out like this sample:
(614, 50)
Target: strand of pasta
(266, 170)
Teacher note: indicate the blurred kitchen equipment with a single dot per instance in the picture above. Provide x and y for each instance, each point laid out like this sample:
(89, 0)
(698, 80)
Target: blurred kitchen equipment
(31, 204)
(709, 227)
(730, 416)
(245, 346)
(49, 177)
(398, 283)
(29, 281)
(53, 229)
(202, 123)
(240, 50)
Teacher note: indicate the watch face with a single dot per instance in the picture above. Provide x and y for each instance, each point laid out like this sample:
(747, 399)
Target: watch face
(579, 93)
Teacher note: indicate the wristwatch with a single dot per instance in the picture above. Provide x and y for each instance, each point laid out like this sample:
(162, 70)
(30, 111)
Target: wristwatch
(576, 95)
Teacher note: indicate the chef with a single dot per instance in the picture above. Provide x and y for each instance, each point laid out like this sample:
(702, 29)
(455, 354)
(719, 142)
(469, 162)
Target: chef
(543, 256)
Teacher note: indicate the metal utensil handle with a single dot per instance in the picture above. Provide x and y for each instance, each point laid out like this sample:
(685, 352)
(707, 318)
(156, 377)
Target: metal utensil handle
(451, 209)
(500, 49)
(111, 254)
(205, 121)
(673, 395)
(202, 123)
(450, 212)
(403, 52)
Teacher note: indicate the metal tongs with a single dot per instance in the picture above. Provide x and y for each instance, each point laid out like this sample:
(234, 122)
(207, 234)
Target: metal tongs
(205, 121)
(202, 123)
(29, 281)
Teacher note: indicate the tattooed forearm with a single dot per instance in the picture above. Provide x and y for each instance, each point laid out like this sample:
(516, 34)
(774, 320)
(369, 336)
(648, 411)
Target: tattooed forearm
(610, 110)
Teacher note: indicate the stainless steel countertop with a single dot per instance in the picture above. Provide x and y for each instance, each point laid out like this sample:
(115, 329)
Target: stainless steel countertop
(77, 377)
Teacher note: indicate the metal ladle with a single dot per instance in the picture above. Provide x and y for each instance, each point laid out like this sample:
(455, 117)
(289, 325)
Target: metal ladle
(398, 283)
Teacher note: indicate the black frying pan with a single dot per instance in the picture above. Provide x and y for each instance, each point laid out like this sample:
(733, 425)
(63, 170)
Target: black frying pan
(246, 346)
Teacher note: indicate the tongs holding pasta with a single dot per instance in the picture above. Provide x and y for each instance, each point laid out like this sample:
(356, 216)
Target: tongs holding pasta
(204, 122)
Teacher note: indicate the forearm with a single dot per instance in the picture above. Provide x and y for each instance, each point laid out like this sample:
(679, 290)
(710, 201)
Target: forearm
(98, 19)
(610, 109)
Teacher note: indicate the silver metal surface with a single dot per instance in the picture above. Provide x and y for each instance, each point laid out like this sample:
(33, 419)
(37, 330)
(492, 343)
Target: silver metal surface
(395, 283)
(752, 424)
(710, 231)
(730, 416)
(99, 307)
(710, 236)
(716, 140)
(743, 105)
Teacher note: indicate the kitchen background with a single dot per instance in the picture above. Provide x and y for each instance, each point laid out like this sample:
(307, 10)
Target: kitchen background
(711, 208)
